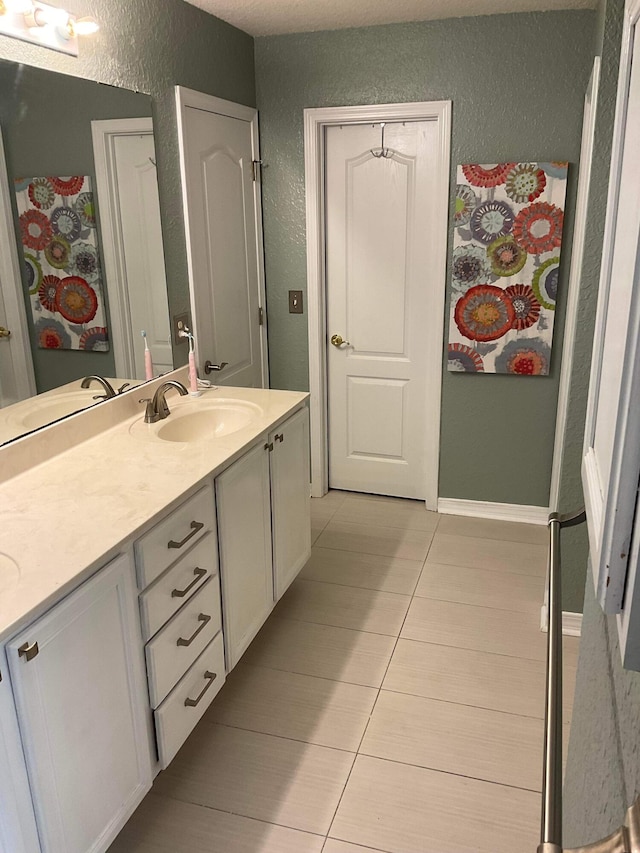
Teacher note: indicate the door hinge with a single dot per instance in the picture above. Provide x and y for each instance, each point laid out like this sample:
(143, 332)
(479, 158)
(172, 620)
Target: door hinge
(255, 169)
(260, 317)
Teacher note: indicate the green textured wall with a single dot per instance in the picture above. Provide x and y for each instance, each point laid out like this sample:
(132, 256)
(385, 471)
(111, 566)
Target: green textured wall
(517, 83)
(46, 128)
(151, 46)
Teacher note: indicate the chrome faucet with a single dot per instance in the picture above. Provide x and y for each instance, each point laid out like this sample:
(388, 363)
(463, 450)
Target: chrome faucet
(157, 409)
(109, 391)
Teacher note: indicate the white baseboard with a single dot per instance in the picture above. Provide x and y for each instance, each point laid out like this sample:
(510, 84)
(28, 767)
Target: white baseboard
(499, 512)
(571, 622)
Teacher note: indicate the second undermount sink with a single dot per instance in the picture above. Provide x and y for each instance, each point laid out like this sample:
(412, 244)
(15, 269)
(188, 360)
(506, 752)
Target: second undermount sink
(45, 410)
(195, 421)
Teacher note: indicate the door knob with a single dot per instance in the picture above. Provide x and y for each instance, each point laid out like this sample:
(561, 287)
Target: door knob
(209, 367)
(4, 333)
(338, 340)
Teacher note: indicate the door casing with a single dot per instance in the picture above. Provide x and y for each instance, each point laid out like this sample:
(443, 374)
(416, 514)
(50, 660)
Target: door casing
(315, 121)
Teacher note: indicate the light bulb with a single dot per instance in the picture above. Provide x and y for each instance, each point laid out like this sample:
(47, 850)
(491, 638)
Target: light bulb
(18, 7)
(86, 26)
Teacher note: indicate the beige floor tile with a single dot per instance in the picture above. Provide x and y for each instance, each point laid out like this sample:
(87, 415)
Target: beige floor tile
(475, 742)
(336, 653)
(376, 539)
(482, 628)
(468, 677)
(333, 846)
(344, 607)
(163, 825)
(504, 590)
(369, 571)
(481, 679)
(301, 707)
(332, 500)
(570, 649)
(255, 775)
(409, 515)
(488, 528)
(317, 526)
(321, 513)
(491, 554)
(404, 809)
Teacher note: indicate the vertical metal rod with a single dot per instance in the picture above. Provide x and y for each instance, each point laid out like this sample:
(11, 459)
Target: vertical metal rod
(551, 829)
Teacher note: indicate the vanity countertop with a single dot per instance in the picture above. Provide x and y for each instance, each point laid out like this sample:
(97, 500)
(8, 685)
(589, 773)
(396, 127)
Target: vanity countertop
(64, 518)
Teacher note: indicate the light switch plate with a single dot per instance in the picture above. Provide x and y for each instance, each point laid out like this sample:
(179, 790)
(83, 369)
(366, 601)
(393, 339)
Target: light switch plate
(295, 302)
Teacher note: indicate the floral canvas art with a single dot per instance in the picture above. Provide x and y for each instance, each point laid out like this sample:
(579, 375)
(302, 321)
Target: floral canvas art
(506, 255)
(62, 263)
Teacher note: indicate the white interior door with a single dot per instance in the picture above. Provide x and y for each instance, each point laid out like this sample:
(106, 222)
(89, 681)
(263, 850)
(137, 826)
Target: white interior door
(379, 243)
(218, 146)
(611, 464)
(129, 210)
(144, 257)
(16, 366)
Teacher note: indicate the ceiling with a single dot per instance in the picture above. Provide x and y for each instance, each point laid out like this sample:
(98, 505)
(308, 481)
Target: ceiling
(272, 17)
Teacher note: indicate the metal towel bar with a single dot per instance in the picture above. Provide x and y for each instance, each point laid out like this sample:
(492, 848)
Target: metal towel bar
(627, 838)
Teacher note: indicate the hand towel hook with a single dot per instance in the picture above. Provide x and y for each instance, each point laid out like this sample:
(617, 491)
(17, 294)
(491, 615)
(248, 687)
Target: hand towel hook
(382, 152)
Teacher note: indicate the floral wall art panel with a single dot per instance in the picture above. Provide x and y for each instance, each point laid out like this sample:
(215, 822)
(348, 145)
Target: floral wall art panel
(63, 271)
(506, 256)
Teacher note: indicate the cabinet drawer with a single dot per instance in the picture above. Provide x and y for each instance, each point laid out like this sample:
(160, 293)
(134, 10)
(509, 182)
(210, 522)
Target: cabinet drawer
(177, 585)
(164, 544)
(183, 638)
(189, 699)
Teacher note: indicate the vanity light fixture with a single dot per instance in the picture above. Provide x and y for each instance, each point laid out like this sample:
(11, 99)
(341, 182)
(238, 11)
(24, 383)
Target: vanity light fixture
(43, 24)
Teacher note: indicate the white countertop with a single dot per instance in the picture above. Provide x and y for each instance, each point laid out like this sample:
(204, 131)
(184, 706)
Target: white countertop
(64, 518)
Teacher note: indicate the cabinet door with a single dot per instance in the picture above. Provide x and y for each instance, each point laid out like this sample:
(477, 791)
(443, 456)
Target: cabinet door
(290, 499)
(244, 536)
(83, 714)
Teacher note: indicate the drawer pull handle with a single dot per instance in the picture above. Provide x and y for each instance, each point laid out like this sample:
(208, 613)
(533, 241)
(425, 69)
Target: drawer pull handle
(28, 651)
(202, 619)
(210, 677)
(279, 437)
(195, 527)
(180, 593)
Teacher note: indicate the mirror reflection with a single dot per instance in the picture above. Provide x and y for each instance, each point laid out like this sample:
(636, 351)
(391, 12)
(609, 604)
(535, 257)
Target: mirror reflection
(81, 173)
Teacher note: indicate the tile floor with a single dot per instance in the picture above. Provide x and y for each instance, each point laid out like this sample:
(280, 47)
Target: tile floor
(393, 702)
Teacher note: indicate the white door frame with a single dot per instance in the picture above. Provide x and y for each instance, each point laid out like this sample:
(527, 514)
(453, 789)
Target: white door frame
(20, 364)
(315, 121)
(610, 517)
(575, 281)
(198, 100)
(104, 134)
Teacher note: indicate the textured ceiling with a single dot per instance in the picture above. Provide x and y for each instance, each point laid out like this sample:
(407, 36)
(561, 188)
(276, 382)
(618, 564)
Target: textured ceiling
(271, 17)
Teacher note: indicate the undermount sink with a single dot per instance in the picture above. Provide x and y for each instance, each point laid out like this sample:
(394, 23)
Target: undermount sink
(44, 411)
(198, 420)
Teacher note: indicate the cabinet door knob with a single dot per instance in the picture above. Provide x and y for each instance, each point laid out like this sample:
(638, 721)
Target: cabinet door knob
(4, 333)
(210, 678)
(269, 446)
(202, 619)
(279, 437)
(28, 651)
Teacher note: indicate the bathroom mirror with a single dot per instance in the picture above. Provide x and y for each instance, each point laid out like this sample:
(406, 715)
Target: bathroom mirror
(85, 219)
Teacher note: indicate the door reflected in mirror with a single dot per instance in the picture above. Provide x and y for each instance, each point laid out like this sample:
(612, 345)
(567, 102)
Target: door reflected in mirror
(81, 179)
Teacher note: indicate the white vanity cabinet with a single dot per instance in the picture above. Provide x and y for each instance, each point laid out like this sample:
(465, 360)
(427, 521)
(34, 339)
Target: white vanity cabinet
(264, 529)
(177, 566)
(290, 499)
(243, 502)
(79, 690)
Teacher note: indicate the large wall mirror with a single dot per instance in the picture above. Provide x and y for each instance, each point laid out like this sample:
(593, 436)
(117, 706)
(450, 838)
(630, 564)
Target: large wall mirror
(85, 219)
